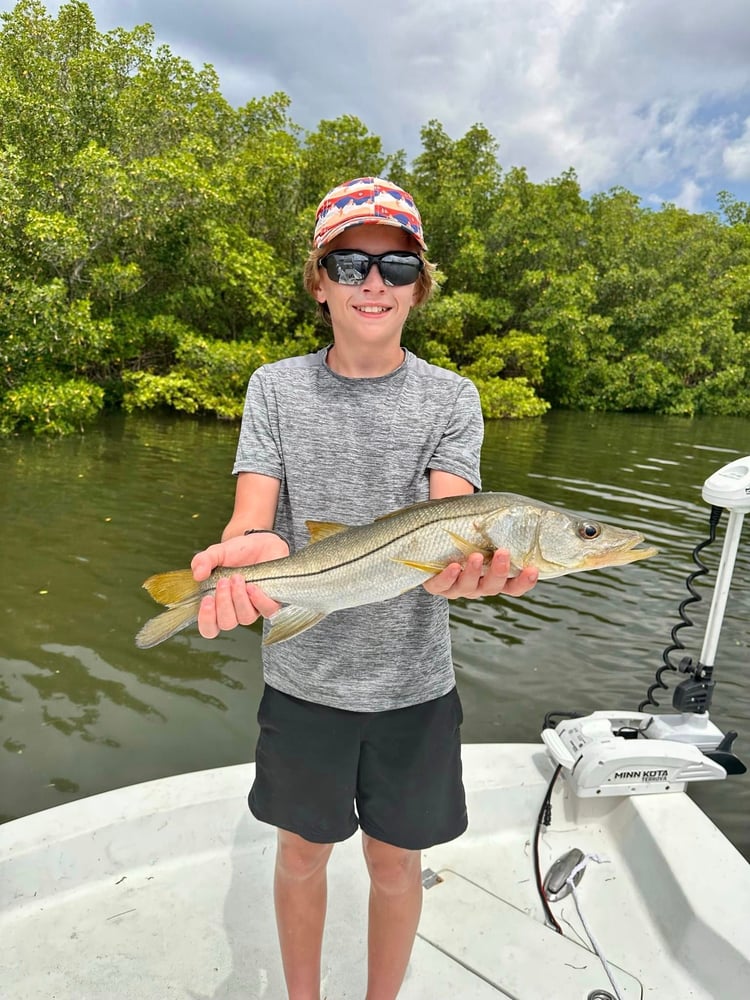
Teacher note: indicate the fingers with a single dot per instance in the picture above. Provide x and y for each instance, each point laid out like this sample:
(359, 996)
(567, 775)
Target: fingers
(522, 584)
(225, 609)
(473, 580)
(204, 563)
(207, 625)
(240, 550)
(444, 582)
(233, 603)
(498, 578)
(260, 601)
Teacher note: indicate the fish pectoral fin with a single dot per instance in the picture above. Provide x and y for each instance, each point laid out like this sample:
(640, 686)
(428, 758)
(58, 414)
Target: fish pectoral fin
(324, 529)
(467, 548)
(291, 621)
(425, 567)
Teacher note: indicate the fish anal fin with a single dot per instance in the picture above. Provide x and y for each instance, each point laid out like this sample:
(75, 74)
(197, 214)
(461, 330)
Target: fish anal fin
(167, 624)
(291, 621)
(324, 529)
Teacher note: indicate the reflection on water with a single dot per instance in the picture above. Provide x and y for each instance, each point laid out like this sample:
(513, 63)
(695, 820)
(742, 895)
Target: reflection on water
(86, 520)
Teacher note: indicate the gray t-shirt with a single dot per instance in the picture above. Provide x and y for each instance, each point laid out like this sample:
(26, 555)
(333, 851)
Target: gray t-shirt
(350, 450)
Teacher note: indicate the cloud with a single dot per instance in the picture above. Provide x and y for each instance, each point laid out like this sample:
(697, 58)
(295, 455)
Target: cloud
(649, 96)
(736, 155)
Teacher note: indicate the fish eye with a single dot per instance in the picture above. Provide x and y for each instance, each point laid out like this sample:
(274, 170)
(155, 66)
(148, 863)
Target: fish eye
(588, 530)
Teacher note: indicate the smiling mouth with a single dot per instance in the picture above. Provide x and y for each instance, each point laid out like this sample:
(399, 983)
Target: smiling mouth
(372, 310)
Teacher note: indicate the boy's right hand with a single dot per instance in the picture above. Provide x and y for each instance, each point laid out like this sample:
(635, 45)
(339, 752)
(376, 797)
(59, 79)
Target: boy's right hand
(234, 601)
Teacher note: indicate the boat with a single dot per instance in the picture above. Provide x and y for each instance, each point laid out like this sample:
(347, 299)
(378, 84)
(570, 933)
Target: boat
(587, 871)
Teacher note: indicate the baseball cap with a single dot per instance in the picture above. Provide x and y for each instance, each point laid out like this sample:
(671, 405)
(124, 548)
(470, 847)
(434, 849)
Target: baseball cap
(362, 201)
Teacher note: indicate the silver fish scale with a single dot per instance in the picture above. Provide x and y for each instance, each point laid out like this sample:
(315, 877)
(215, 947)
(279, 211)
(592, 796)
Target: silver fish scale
(364, 564)
(374, 562)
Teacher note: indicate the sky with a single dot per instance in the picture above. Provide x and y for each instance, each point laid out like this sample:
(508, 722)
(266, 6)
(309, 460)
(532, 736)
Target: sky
(649, 95)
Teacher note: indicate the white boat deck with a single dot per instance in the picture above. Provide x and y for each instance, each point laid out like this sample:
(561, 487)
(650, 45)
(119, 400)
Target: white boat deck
(163, 890)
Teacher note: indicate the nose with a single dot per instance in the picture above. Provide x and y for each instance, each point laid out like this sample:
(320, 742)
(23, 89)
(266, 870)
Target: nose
(373, 278)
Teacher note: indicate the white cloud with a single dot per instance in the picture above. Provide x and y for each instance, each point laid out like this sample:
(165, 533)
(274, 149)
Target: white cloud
(736, 156)
(649, 96)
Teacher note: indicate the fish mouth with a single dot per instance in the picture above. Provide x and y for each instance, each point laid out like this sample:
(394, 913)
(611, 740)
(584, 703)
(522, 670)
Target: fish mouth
(628, 552)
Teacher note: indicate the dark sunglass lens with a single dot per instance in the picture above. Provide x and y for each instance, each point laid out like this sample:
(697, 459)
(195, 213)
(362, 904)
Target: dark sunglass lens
(400, 270)
(345, 267)
(351, 267)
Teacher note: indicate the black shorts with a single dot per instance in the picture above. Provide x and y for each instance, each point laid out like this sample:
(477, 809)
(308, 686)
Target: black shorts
(322, 772)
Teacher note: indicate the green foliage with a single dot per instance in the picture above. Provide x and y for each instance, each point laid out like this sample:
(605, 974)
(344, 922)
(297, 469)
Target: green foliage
(41, 329)
(209, 376)
(509, 397)
(516, 355)
(339, 150)
(154, 239)
(48, 407)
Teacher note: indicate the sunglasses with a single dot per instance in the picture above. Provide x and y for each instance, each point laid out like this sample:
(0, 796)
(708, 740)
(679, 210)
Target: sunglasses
(351, 267)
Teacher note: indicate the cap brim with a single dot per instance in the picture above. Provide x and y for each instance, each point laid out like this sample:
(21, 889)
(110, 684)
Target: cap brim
(351, 223)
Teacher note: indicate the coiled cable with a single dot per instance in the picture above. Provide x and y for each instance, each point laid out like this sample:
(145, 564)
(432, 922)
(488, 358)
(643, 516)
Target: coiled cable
(685, 620)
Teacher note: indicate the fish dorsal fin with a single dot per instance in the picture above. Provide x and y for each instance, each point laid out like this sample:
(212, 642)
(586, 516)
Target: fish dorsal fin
(324, 529)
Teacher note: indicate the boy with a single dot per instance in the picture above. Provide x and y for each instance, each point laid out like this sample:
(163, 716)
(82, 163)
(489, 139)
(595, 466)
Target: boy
(359, 720)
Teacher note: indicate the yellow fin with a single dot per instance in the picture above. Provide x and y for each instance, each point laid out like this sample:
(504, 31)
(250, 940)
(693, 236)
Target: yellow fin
(173, 588)
(425, 567)
(468, 548)
(167, 624)
(290, 621)
(324, 529)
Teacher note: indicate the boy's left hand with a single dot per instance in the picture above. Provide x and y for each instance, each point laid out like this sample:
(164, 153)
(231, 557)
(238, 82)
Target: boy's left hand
(469, 580)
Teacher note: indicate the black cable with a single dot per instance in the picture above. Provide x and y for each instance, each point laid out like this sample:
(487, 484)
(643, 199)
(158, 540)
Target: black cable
(544, 819)
(686, 621)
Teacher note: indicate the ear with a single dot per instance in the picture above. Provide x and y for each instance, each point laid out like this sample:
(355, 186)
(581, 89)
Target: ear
(319, 295)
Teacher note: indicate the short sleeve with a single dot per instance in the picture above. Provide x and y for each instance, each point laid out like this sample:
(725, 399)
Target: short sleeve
(459, 449)
(259, 448)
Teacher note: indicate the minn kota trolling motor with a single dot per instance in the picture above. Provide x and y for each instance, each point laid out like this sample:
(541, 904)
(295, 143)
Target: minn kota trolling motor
(636, 753)
(629, 753)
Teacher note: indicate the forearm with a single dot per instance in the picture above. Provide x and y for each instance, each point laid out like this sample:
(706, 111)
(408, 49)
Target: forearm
(247, 539)
(255, 502)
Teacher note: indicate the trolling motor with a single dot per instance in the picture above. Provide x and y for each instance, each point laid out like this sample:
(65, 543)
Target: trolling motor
(729, 489)
(626, 753)
(634, 753)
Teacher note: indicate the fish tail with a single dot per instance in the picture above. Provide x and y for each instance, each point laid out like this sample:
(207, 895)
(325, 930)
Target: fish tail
(167, 624)
(173, 588)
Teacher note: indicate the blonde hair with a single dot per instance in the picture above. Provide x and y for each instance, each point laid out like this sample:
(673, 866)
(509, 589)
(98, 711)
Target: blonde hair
(423, 289)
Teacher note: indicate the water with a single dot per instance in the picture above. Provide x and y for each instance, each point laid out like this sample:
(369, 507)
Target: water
(86, 520)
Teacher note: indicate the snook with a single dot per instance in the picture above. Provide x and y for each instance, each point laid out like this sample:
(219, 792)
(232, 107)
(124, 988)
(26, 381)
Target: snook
(344, 567)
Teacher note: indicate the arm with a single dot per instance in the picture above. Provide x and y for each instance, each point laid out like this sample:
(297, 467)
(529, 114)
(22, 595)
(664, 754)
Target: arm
(235, 602)
(467, 580)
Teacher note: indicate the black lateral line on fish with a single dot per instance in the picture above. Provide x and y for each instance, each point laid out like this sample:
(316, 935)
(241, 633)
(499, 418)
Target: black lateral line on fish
(349, 562)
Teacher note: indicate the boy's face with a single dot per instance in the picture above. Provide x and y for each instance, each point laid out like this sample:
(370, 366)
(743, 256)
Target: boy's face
(373, 311)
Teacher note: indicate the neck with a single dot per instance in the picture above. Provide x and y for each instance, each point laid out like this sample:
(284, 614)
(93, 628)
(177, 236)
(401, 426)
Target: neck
(364, 362)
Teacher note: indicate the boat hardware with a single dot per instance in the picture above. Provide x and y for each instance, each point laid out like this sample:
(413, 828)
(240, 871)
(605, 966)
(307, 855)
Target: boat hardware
(727, 489)
(556, 884)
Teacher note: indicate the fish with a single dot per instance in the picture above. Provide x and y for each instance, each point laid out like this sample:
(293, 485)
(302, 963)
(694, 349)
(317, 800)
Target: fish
(345, 566)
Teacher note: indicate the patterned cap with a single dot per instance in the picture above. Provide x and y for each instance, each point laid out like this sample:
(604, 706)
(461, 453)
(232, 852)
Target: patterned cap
(366, 200)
